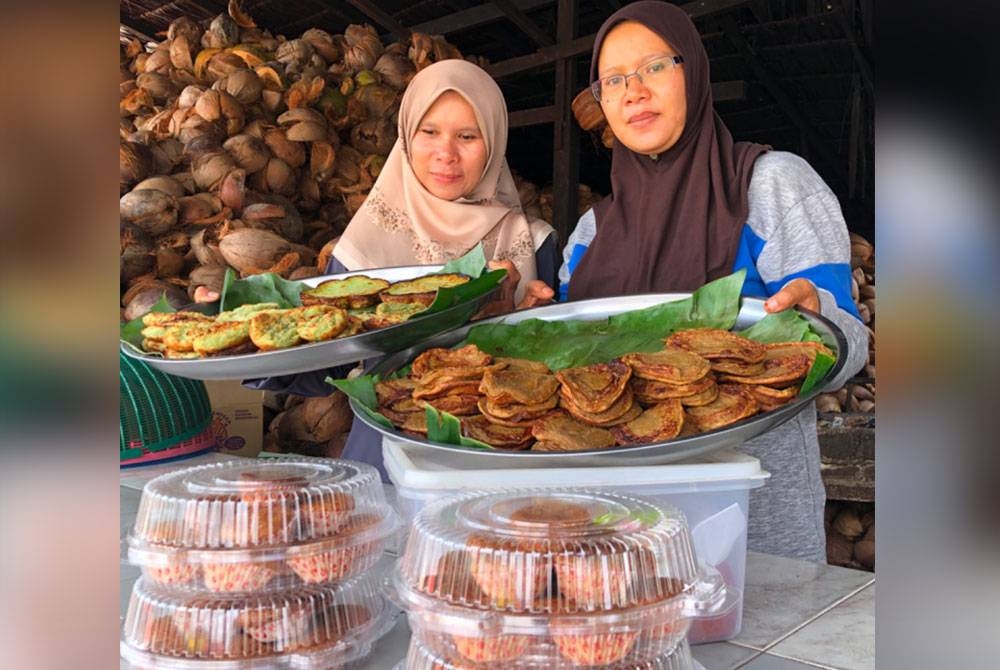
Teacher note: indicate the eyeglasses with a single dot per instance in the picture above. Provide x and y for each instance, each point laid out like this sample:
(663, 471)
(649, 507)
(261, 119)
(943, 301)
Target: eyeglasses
(613, 87)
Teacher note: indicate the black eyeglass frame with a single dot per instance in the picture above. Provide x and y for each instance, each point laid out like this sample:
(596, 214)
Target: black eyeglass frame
(595, 87)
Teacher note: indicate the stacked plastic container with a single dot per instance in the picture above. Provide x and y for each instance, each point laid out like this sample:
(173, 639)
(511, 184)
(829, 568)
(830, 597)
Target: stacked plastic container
(533, 578)
(258, 564)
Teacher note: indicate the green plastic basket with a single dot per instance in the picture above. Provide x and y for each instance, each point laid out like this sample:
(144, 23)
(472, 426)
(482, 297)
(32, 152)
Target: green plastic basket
(160, 416)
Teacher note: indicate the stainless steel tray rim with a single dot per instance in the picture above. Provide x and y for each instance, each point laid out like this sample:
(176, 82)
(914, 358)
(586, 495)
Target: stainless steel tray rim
(658, 452)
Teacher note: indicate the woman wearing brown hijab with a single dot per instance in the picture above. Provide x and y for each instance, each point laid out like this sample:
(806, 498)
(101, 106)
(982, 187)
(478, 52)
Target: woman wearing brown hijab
(689, 205)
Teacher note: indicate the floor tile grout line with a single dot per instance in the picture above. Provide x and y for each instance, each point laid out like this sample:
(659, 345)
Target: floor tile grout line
(813, 618)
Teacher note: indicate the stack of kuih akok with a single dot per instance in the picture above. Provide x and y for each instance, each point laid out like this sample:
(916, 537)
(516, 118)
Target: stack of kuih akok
(703, 379)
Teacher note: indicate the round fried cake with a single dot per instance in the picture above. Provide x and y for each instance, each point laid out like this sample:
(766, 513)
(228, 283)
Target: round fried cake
(459, 404)
(594, 388)
(657, 424)
(568, 434)
(734, 403)
(650, 391)
(480, 428)
(673, 366)
(624, 409)
(516, 384)
(317, 323)
(776, 371)
(516, 411)
(702, 397)
(439, 357)
(810, 349)
(734, 366)
(712, 343)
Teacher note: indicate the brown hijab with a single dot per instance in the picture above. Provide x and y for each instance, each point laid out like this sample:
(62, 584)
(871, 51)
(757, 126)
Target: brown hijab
(402, 223)
(674, 223)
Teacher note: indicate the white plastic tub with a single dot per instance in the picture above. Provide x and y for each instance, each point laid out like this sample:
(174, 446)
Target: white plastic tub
(713, 492)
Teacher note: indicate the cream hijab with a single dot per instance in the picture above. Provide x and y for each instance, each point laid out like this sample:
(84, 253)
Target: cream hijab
(401, 223)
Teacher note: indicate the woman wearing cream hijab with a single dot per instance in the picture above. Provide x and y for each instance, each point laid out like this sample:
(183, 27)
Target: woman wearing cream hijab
(446, 187)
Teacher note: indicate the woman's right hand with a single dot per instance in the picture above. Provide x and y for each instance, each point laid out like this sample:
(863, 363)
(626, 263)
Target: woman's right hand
(204, 294)
(536, 292)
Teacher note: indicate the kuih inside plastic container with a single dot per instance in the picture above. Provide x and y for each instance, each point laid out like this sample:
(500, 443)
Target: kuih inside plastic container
(310, 628)
(249, 526)
(420, 657)
(713, 492)
(552, 578)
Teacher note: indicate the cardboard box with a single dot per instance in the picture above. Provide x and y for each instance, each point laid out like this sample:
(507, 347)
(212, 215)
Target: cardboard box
(237, 417)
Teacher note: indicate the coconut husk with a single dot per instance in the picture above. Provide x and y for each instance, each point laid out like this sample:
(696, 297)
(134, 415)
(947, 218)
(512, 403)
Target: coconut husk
(324, 255)
(209, 169)
(274, 213)
(136, 253)
(395, 69)
(206, 249)
(251, 250)
(155, 212)
(244, 85)
(163, 183)
(159, 86)
(362, 47)
(374, 136)
(210, 276)
(232, 190)
(135, 162)
(379, 101)
(185, 27)
(278, 178)
(292, 153)
(146, 295)
(167, 154)
(248, 152)
(198, 209)
(323, 44)
(222, 32)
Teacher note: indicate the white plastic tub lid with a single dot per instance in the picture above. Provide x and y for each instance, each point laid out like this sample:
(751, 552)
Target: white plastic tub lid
(408, 469)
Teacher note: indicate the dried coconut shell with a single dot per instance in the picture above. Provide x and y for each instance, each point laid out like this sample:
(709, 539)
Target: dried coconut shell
(250, 250)
(163, 183)
(292, 153)
(155, 212)
(195, 209)
(211, 168)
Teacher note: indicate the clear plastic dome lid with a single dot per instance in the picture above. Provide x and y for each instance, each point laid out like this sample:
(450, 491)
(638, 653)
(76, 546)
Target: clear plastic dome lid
(450, 656)
(547, 551)
(256, 525)
(312, 628)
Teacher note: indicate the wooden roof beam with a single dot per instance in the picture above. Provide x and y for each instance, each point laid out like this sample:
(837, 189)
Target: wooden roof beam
(776, 90)
(474, 16)
(382, 18)
(521, 20)
(582, 45)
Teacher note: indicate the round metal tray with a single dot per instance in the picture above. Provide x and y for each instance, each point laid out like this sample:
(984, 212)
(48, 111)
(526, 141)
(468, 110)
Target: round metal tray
(751, 311)
(320, 355)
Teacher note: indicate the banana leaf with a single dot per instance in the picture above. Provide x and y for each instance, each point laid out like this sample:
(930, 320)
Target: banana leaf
(265, 287)
(567, 344)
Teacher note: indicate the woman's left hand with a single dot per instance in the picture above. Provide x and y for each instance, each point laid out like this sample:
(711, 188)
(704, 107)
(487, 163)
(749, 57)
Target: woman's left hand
(536, 292)
(799, 292)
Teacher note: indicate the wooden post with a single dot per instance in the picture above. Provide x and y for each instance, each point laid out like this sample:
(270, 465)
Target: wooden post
(566, 134)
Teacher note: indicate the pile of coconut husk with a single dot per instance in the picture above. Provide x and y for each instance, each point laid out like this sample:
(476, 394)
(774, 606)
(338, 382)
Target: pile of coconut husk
(850, 534)
(245, 149)
(858, 395)
(313, 426)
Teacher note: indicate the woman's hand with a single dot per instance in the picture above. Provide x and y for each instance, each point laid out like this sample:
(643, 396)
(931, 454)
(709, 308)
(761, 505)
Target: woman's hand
(205, 294)
(536, 292)
(799, 292)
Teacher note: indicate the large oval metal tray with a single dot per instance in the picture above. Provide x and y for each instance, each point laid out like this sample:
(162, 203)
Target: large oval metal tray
(751, 311)
(320, 355)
